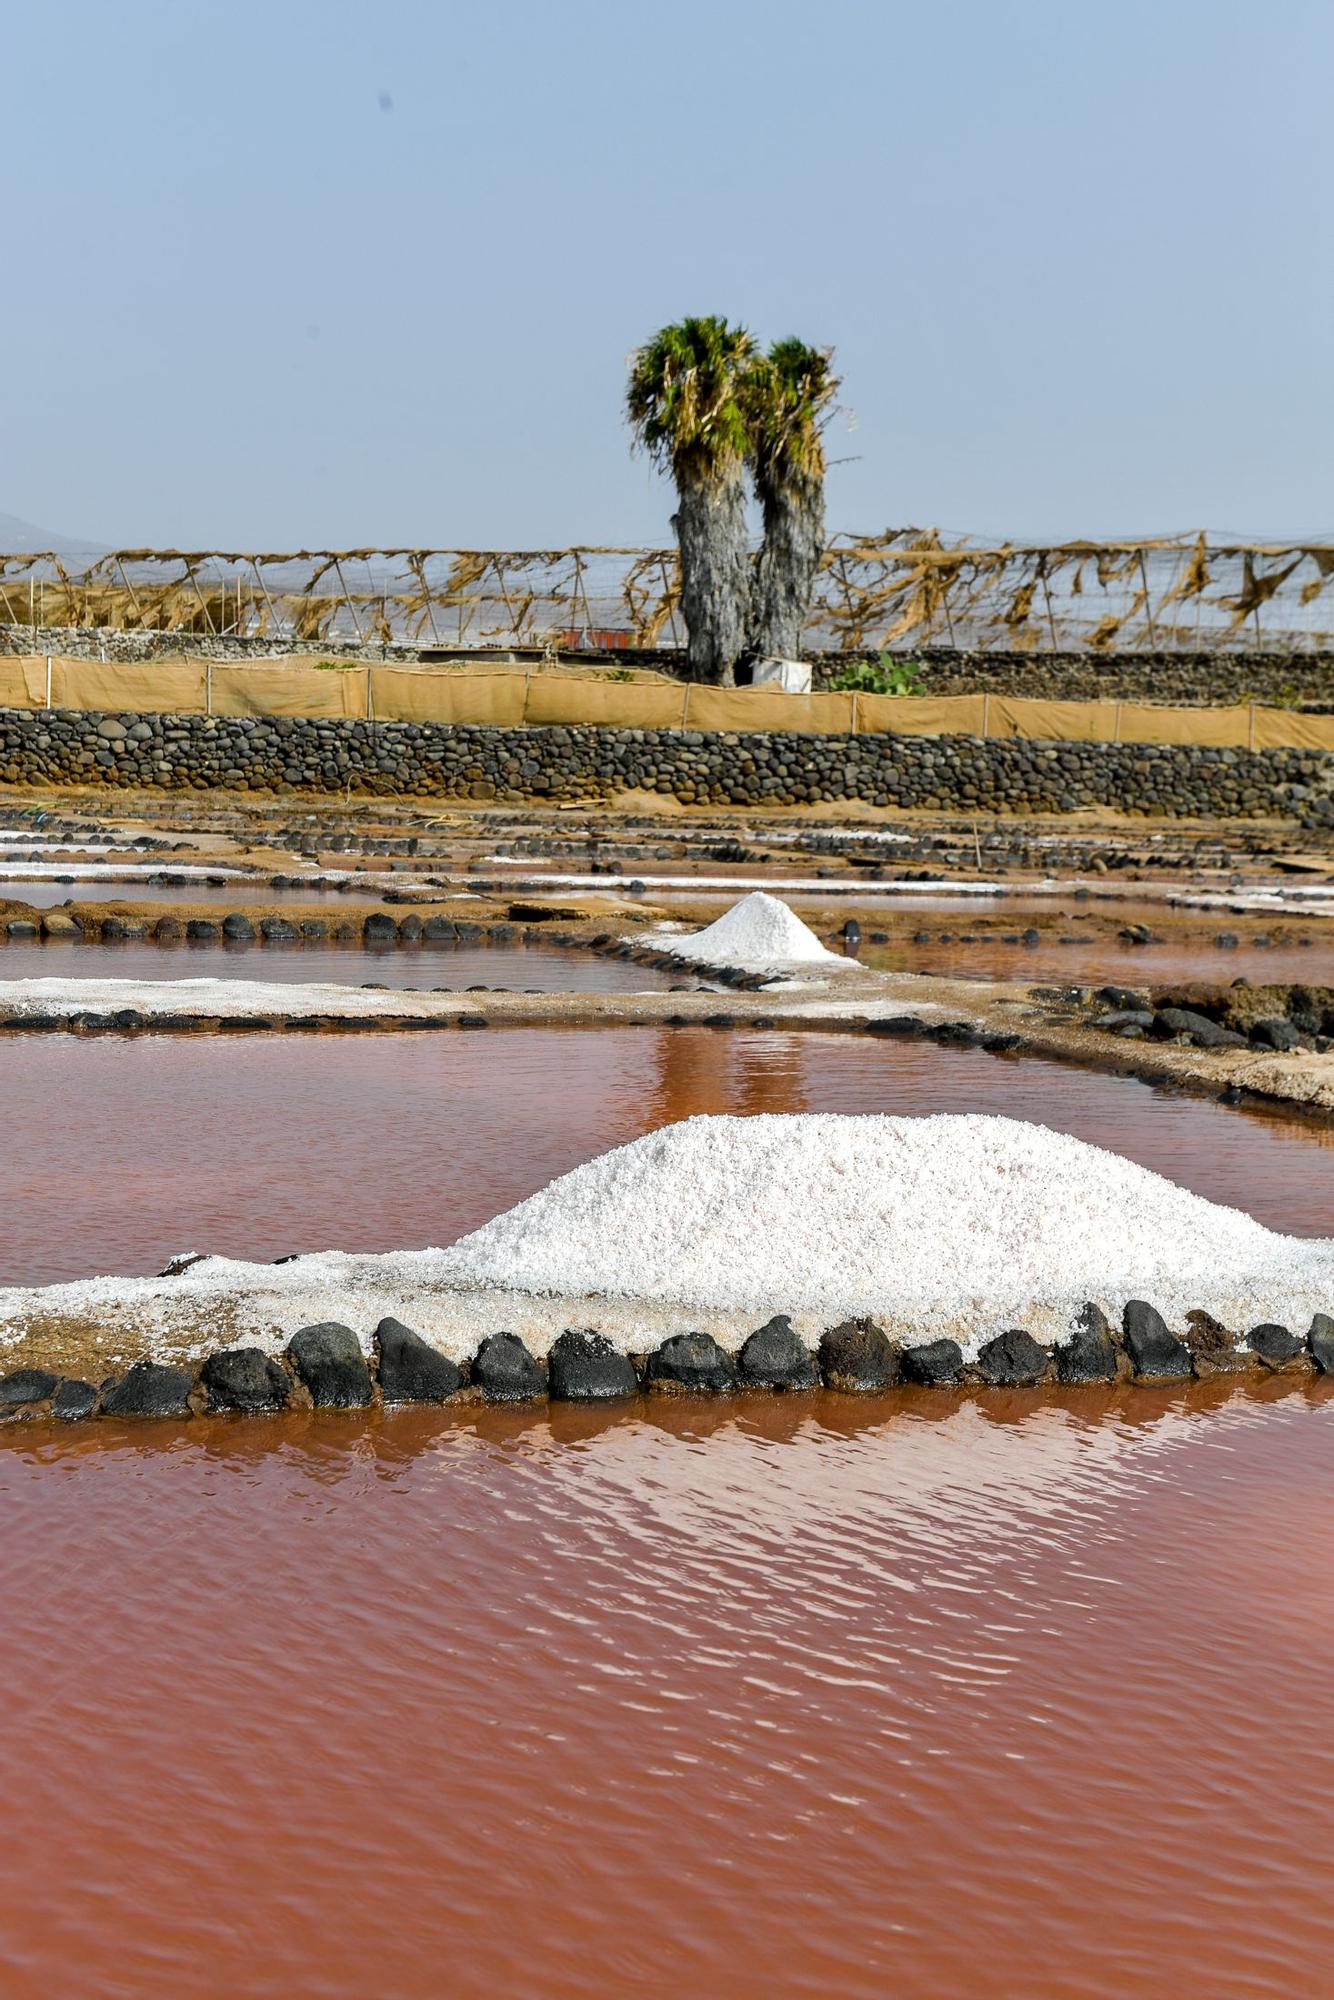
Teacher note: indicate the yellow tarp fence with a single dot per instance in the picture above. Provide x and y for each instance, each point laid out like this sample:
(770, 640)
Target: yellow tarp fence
(303, 687)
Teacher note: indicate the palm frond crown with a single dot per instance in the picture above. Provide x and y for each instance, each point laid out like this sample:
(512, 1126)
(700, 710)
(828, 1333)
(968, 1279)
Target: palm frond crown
(788, 395)
(685, 396)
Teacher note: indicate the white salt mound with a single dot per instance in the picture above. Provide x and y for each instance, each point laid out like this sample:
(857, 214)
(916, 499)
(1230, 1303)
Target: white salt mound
(945, 1226)
(759, 931)
(931, 1224)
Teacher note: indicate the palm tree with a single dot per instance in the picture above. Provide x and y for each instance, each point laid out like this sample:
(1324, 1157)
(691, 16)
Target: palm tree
(684, 404)
(787, 397)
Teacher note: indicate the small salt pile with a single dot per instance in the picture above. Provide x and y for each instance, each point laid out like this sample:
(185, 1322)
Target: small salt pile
(757, 933)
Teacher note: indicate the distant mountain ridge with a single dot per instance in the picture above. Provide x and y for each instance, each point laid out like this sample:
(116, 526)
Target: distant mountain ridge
(22, 538)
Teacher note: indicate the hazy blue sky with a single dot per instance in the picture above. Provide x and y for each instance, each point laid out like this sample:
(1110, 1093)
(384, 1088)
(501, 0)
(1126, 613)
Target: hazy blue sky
(283, 274)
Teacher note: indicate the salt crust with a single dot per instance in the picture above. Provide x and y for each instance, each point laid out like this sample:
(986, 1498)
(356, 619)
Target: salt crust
(810, 885)
(941, 1226)
(71, 994)
(758, 932)
(117, 871)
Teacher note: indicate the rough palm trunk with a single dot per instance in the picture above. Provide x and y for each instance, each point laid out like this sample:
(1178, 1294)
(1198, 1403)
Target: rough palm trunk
(710, 524)
(794, 534)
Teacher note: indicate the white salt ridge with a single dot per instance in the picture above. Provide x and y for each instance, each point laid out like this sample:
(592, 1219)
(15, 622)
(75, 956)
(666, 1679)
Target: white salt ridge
(810, 885)
(71, 994)
(758, 932)
(943, 1226)
(117, 871)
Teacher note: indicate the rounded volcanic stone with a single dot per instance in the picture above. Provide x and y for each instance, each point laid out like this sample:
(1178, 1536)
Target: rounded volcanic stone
(506, 1372)
(1213, 1351)
(328, 1359)
(379, 927)
(1013, 1359)
(201, 930)
(584, 1367)
(277, 930)
(1154, 1351)
(1275, 1345)
(411, 1370)
(1275, 1034)
(858, 1358)
(774, 1357)
(937, 1364)
(238, 927)
(148, 1389)
(74, 1400)
(26, 1386)
(1320, 1340)
(691, 1361)
(1091, 1351)
(244, 1379)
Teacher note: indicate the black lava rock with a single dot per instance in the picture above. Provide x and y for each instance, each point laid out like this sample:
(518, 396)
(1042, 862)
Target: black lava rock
(1012, 1359)
(148, 1389)
(506, 1372)
(411, 1370)
(1169, 1022)
(936, 1363)
(1090, 1353)
(329, 1360)
(906, 1025)
(1275, 1034)
(379, 927)
(26, 1386)
(774, 1357)
(1320, 1340)
(1154, 1351)
(277, 930)
(1120, 997)
(1275, 1345)
(584, 1367)
(858, 1358)
(244, 1379)
(74, 1400)
(691, 1361)
(201, 930)
(236, 926)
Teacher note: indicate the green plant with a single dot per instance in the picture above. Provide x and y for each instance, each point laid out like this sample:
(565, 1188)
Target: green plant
(885, 676)
(619, 674)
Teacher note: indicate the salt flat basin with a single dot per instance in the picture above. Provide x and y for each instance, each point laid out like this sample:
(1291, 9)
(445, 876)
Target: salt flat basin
(1093, 961)
(304, 1144)
(77, 885)
(812, 1669)
(414, 968)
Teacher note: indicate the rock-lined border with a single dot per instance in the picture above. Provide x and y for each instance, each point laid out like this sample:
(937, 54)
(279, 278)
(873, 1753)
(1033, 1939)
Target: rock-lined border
(323, 1367)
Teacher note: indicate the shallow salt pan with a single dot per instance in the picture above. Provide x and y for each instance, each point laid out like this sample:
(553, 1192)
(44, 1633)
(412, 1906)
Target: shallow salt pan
(957, 1226)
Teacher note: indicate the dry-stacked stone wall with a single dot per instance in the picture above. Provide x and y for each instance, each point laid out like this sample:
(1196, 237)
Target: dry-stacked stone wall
(949, 773)
(325, 1367)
